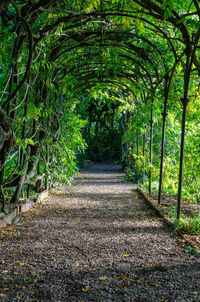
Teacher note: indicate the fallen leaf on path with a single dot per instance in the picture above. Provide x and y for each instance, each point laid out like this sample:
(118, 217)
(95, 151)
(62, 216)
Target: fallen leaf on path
(124, 277)
(9, 229)
(21, 263)
(103, 278)
(4, 262)
(85, 289)
(146, 266)
(37, 278)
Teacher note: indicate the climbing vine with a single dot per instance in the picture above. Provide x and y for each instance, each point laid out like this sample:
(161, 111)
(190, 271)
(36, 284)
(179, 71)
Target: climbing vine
(117, 78)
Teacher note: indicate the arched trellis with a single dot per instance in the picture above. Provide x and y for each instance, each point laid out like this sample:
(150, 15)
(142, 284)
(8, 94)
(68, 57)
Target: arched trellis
(165, 102)
(78, 19)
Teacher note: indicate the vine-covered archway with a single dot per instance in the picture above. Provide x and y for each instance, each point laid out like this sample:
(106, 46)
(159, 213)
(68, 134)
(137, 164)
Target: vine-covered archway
(116, 76)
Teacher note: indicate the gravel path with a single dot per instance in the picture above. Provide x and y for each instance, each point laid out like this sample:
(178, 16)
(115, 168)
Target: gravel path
(95, 241)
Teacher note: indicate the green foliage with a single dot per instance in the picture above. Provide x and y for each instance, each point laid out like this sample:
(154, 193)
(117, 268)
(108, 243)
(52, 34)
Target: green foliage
(188, 225)
(130, 175)
(191, 250)
(96, 76)
(173, 213)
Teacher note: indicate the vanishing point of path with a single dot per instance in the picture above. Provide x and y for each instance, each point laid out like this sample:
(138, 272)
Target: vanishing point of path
(95, 241)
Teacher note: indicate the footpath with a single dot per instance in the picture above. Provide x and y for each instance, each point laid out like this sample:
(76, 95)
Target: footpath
(95, 241)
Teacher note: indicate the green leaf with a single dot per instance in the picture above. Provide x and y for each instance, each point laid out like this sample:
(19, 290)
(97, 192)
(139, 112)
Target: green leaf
(30, 141)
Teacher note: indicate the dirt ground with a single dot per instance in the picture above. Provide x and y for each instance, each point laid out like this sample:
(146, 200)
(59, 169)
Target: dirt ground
(95, 241)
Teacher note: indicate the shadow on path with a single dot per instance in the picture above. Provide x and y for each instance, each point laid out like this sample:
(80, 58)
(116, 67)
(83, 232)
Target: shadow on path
(96, 241)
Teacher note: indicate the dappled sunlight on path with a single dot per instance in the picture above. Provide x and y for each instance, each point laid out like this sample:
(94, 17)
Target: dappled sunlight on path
(96, 241)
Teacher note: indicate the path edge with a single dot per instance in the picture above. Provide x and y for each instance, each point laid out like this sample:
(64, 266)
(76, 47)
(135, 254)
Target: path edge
(169, 222)
(23, 207)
